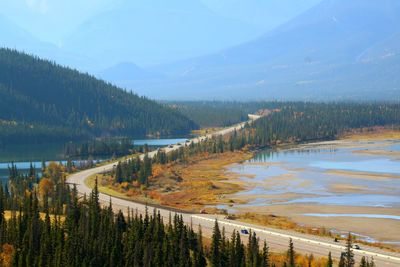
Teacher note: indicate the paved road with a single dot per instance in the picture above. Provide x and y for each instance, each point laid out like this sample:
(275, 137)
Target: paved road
(276, 239)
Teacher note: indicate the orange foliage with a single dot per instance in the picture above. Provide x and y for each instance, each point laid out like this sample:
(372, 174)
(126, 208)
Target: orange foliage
(46, 186)
(154, 195)
(132, 193)
(301, 260)
(125, 185)
(55, 172)
(157, 170)
(6, 255)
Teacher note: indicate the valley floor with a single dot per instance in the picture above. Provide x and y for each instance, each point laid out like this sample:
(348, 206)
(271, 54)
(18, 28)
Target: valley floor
(205, 183)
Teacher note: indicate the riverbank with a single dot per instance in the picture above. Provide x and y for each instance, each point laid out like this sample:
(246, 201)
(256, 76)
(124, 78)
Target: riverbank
(189, 186)
(327, 188)
(208, 183)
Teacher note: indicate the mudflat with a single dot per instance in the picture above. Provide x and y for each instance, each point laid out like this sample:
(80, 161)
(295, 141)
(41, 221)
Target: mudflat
(351, 184)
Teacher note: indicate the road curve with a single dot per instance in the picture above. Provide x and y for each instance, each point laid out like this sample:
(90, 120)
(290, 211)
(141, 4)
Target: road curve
(276, 239)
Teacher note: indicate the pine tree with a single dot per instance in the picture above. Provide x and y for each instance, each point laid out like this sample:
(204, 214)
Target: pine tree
(342, 260)
(330, 261)
(291, 254)
(363, 262)
(265, 255)
(372, 262)
(216, 246)
(349, 255)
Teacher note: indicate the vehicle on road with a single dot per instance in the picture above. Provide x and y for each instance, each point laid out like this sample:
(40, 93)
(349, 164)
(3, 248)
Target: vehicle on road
(356, 247)
(244, 231)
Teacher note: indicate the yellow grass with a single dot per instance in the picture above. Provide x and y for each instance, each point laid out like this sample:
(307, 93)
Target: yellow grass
(375, 133)
(187, 186)
(8, 215)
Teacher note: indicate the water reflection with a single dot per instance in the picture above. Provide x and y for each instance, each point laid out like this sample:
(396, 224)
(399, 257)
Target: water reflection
(325, 173)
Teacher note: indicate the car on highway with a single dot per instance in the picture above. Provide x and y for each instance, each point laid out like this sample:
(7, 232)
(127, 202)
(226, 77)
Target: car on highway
(244, 231)
(356, 247)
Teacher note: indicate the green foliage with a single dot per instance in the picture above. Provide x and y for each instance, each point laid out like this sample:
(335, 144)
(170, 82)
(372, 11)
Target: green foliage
(221, 113)
(133, 170)
(291, 255)
(116, 147)
(41, 101)
(300, 122)
(212, 114)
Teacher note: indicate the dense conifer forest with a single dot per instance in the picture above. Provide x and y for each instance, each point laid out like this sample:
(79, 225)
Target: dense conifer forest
(287, 123)
(43, 222)
(221, 113)
(302, 122)
(42, 101)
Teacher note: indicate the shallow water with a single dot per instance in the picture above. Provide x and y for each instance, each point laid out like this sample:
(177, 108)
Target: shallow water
(159, 142)
(23, 167)
(23, 155)
(309, 172)
(355, 215)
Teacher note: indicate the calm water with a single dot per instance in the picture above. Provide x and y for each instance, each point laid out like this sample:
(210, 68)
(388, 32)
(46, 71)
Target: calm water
(311, 172)
(357, 215)
(23, 155)
(159, 142)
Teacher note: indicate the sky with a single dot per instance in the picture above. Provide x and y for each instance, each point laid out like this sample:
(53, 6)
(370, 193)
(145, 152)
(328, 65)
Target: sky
(53, 20)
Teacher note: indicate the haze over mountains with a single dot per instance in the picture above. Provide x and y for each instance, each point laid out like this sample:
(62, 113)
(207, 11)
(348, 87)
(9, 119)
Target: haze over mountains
(336, 50)
(325, 52)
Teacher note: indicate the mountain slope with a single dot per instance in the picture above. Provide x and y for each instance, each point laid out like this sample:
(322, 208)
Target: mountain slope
(150, 32)
(36, 95)
(326, 47)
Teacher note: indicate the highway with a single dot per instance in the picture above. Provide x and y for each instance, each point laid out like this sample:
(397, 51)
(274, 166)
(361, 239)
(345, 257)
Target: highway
(277, 239)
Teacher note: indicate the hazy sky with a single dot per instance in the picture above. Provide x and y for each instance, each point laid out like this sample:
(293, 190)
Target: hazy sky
(52, 20)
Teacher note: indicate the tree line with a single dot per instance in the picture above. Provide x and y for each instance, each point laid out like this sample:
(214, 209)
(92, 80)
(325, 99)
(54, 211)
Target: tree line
(48, 224)
(100, 147)
(41, 101)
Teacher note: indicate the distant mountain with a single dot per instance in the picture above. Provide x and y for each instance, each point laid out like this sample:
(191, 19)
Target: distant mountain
(264, 14)
(14, 37)
(328, 52)
(41, 101)
(159, 31)
(126, 74)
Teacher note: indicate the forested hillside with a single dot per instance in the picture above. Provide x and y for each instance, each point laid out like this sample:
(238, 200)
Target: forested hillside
(42, 101)
(220, 113)
(302, 122)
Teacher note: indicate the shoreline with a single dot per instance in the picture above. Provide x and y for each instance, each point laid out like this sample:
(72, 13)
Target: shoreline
(236, 185)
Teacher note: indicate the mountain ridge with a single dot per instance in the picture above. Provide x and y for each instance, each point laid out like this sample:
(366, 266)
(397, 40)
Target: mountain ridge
(325, 47)
(73, 105)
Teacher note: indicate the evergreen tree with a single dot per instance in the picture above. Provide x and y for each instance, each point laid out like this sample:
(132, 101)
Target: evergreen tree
(291, 254)
(330, 261)
(216, 246)
(349, 255)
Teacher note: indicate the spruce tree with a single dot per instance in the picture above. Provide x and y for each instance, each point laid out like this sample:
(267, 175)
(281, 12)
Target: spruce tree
(291, 254)
(216, 246)
(330, 261)
(349, 255)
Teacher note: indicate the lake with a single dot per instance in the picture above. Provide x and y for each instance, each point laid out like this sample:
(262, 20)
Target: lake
(23, 155)
(323, 170)
(341, 185)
